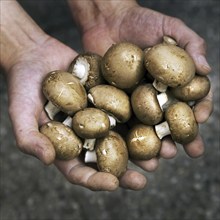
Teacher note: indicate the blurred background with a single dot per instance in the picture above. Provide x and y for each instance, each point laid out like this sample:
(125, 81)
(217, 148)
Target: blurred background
(181, 188)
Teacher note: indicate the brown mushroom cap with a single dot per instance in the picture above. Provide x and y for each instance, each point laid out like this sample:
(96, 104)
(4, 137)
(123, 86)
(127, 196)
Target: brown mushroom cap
(142, 142)
(88, 64)
(66, 143)
(182, 124)
(112, 154)
(112, 100)
(196, 89)
(91, 123)
(145, 104)
(169, 64)
(122, 65)
(65, 91)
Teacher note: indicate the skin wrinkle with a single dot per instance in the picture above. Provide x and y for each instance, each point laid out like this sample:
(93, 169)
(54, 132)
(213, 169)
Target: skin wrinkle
(141, 21)
(137, 180)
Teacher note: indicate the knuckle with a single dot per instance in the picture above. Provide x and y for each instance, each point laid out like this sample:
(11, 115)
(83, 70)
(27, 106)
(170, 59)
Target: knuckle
(20, 142)
(201, 42)
(176, 23)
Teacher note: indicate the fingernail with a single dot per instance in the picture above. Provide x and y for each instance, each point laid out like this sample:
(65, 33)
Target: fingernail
(205, 66)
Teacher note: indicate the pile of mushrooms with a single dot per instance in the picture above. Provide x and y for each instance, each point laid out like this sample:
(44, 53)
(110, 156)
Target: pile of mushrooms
(151, 91)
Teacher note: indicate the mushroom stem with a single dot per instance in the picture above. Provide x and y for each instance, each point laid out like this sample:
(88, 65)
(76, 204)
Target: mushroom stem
(162, 99)
(89, 144)
(90, 157)
(162, 129)
(165, 100)
(159, 86)
(112, 121)
(68, 121)
(81, 69)
(51, 110)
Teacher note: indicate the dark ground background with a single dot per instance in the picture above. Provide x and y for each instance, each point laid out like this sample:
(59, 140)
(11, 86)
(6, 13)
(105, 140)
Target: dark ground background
(181, 189)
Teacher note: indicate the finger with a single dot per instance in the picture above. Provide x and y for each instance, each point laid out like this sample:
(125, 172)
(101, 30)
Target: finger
(28, 137)
(196, 148)
(95, 46)
(204, 108)
(43, 118)
(78, 173)
(168, 148)
(133, 180)
(190, 41)
(147, 165)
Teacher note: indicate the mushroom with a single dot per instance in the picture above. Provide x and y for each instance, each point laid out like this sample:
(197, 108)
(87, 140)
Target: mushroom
(169, 64)
(115, 102)
(66, 143)
(87, 67)
(110, 154)
(64, 92)
(145, 104)
(122, 65)
(89, 124)
(180, 123)
(196, 89)
(143, 142)
(148, 105)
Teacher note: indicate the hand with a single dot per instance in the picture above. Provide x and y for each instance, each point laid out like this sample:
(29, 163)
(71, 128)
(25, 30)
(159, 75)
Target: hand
(26, 108)
(26, 100)
(29, 54)
(145, 28)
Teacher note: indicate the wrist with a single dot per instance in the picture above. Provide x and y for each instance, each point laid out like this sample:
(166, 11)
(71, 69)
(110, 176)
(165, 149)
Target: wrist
(18, 33)
(90, 13)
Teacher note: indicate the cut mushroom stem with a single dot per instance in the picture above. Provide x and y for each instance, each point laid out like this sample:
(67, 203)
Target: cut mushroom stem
(159, 86)
(162, 99)
(90, 157)
(162, 129)
(68, 121)
(51, 110)
(89, 144)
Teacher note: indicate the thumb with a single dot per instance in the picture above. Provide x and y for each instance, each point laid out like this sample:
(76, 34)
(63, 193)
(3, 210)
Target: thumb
(190, 41)
(29, 139)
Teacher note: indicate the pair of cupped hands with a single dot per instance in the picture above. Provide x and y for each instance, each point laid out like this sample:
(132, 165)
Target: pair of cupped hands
(137, 25)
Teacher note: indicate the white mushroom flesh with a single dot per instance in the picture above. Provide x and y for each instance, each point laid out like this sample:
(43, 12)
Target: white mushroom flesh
(112, 121)
(162, 100)
(90, 157)
(89, 144)
(162, 129)
(68, 121)
(81, 69)
(51, 110)
(90, 98)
